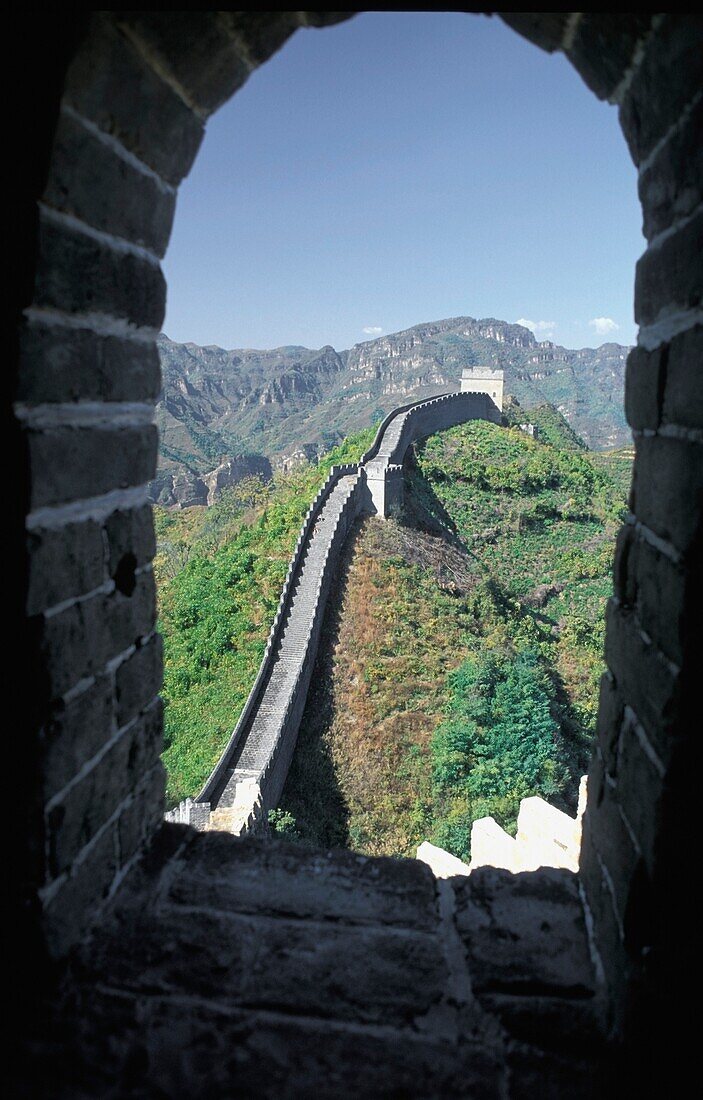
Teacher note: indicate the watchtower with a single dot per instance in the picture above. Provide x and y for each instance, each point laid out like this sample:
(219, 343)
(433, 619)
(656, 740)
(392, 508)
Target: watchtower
(483, 380)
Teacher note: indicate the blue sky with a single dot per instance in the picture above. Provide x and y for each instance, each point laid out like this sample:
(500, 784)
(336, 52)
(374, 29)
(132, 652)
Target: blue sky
(399, 168)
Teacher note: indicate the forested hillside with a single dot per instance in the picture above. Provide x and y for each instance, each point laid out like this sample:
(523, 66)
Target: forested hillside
(463, 655)
(220, 571)
(461, 650)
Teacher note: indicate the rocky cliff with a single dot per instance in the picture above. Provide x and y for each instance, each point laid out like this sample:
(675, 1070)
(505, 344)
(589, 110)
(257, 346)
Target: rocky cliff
(292, 403)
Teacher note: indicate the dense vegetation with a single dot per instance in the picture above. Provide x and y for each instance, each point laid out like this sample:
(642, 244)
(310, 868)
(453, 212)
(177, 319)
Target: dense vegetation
(220, 572)
(461, 653)
(464, 659)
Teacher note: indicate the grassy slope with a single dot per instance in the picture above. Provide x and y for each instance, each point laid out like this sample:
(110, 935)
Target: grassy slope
(220, 572)
(519, 561)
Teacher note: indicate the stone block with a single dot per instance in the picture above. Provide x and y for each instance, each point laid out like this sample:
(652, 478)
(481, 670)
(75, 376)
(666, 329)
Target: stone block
(262, 36)
(545, 28)
(130, 531)
(195, 48)
(609, 721)
(70, 364)
(92, 182)
(111, 84)
(284, 966)
(524, 933)
(683, 393)
(75, 818)
(646, 680)
(77, 642)
(167, 1051)
(81, 895)
(667, 481)
(644, 383)
(670, 74)
(624, 581)
(75, 732)
(670, 185)
(264, 876)
(80, 273)
(604, 45)
(142, 818)
(138, 679)
(64, 563)
(606, 928)
(71, 463)
(662, 603)
(668, 276)
(609, 833)
(640, 788)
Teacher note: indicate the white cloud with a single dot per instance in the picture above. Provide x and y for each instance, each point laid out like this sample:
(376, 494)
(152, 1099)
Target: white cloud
(604, 325)
(373, 330)
(539, 328)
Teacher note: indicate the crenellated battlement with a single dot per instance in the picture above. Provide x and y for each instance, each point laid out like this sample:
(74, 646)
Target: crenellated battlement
(248, 779)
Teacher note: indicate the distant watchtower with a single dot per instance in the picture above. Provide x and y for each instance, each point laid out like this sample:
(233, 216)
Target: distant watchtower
(483, 380)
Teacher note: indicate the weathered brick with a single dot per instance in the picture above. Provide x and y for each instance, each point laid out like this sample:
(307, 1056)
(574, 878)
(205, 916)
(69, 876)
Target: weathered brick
(138, 679)
(609, 722)
(75, 733)
(151, 1042)
(64, 563)
(668, 276)
(644, 677)
(667, 482)
(110, 84)
(78, 641)
(69, 364)
(524, 932)
(661, 600)
(195, 48)
(623, 575)
(72, 463)
(670, 186)
(142, 819)
(83, 810)
(261, 36)
(93, 183)
(607, 931)
(88, 885)
(609, 833)
(644, 383)
(287, 966)
(683, 393)
(130, 530)
(544, 28)
(670, 74)
(639, 790)
(79, 273)
(604, 45)
(255, 876)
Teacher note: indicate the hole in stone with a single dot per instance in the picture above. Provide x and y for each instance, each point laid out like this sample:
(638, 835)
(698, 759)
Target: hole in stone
(125, 574)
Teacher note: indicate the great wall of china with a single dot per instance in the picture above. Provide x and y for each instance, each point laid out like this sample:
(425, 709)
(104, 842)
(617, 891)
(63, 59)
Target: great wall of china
(249, 777)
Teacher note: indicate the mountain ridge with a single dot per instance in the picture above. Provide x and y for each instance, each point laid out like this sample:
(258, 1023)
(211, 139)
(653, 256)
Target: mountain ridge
(289, 404)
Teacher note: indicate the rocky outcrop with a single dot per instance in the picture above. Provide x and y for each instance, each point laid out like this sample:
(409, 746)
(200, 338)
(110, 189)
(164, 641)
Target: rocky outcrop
(183, 488)
(233, 470)
(218, 402)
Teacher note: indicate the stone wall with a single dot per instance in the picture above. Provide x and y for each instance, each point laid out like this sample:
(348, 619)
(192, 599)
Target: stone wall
(248, 779)
(115, 104)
